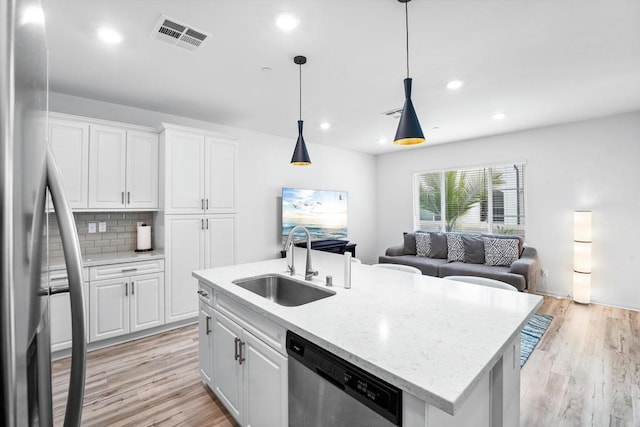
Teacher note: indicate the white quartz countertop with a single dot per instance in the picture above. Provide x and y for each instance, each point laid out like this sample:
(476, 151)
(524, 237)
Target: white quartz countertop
(109, 258)
(431, 337)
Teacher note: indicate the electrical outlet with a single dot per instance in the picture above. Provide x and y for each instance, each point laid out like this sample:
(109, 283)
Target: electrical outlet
(102, 227)
(92, 227)
(544, 273)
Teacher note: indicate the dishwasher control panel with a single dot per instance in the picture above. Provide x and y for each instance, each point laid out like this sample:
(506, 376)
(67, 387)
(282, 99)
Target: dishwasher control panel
(377, 394)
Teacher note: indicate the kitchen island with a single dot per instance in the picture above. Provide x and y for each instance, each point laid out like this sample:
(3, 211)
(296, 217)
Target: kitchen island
(452, 348)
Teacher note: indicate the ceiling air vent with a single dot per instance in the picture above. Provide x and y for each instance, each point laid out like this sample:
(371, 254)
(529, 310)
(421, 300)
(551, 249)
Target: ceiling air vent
(395, 113)
(173, 32)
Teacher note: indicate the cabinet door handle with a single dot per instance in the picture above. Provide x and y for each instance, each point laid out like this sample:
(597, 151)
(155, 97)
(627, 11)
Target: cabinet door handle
(241, 358)
(207, 223)
(236, 355)
(129, 197)
(208, 324)
(202, 224)
(126, 289)
(207, 203)
(122, 197)
(133, 288)
(202, 204)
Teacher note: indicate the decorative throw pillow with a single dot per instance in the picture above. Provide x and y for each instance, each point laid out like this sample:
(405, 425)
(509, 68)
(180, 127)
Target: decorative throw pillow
(409, 244)
(455, 247)
(423, 244)
(438, 246)
(473, 249)
(500, 251)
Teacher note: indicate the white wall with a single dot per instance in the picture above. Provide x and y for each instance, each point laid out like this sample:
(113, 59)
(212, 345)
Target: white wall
(592, 165)
(264, 170)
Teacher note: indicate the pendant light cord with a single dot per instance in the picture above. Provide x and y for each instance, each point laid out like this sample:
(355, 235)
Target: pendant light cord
(300, 91)
(406, 21)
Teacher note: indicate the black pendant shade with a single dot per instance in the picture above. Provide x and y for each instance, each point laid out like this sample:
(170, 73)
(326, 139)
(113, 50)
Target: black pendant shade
(300, 154)
(409, 130)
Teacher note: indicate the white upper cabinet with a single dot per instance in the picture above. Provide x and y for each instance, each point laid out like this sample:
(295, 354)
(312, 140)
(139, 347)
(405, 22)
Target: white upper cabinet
(184, 180)
(70, 143)
(221, 181)
(107, 167)
(123, 169)
(142, 170)
(200, 171)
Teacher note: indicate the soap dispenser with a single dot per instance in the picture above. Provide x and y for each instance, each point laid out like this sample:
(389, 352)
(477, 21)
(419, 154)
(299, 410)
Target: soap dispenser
(347, 270)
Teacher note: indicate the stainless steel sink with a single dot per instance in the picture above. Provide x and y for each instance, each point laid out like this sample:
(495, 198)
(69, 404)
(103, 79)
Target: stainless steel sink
(283, 290)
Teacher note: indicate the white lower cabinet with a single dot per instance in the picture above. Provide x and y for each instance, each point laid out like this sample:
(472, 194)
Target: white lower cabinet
(125, 304)
(60, 319)
(205, 343)
(194, 242)
(227, 364)
(60, 310)
(265, 384)
(248, 376)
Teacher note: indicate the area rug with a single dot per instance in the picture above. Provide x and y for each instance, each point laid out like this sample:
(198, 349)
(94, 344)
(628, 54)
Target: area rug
(531, 335)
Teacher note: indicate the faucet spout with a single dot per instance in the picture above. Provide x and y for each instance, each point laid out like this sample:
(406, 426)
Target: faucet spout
(309, 272)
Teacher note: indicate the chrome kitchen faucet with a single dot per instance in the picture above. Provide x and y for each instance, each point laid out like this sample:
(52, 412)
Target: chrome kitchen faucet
(309, 272)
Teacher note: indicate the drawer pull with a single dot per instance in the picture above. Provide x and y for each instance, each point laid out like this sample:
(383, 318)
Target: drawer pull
(129, 270)
(53, 279)
(203, 293)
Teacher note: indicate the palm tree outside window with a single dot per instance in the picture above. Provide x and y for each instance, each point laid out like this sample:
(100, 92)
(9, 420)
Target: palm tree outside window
(482, 200)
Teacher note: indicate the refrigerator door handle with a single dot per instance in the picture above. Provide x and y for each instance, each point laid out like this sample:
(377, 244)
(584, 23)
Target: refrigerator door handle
(73, 260)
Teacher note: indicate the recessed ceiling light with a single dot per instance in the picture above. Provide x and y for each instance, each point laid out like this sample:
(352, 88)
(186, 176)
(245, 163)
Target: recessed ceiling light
(109, 35)
(499, 116)
(454, 84)
(435, 128)
(382, 141)
(265, 69)
(287, 21)
(32, 15)
(325, 125)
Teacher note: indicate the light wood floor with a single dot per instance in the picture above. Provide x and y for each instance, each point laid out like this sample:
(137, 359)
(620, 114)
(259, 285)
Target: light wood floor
(149, 382)
(586, 369)
(584, 372)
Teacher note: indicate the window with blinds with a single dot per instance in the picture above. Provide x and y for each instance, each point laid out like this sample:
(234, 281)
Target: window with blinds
(479, 200)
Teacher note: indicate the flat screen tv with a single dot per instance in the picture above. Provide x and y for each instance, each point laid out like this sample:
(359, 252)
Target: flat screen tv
(322, 212)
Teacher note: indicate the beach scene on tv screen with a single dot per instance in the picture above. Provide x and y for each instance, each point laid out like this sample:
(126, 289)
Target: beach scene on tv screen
(322, 212)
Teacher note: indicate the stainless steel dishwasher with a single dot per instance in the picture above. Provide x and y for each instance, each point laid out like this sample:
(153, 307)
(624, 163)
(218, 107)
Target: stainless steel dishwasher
(325, 390)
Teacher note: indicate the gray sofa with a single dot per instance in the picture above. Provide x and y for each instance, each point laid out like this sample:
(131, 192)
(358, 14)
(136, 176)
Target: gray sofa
(522, 273)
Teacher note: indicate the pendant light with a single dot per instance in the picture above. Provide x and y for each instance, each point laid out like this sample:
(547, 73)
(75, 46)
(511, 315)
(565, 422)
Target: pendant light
(300, 154)
(409, 131)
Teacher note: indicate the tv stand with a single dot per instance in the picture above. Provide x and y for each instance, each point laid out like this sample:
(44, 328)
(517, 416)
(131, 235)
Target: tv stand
(333, 246)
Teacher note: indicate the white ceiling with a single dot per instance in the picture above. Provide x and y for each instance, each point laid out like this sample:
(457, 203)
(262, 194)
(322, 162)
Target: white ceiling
(541, 62)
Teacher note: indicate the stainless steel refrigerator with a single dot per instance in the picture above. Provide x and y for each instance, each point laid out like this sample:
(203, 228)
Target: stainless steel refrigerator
(27, 169)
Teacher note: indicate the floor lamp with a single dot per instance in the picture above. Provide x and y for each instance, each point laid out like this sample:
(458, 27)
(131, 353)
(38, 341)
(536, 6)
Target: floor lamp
(582, 257)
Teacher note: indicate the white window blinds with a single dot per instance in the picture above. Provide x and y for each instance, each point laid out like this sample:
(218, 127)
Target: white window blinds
(481, 200)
